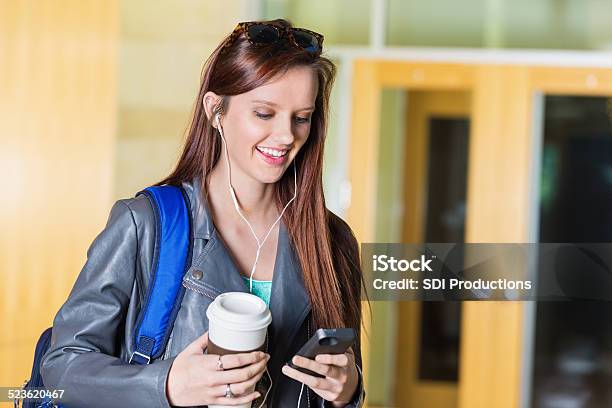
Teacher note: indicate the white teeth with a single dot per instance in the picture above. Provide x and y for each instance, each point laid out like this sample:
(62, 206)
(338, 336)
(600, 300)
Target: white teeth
(272, 152)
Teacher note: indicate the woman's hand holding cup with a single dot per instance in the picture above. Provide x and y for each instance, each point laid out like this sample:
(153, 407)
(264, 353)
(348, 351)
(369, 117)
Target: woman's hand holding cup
(196, 378)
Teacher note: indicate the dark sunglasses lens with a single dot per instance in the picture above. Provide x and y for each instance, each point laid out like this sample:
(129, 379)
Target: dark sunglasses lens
(263, 34)
(307, 41)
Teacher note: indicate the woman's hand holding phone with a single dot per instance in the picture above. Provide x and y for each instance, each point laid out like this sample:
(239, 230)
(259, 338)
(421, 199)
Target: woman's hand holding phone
(339, 370)
(195, 378)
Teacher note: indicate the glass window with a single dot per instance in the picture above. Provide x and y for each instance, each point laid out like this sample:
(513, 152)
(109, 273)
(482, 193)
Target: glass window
(554, 24)
(434, 23)
(445, 222)
(344, 22)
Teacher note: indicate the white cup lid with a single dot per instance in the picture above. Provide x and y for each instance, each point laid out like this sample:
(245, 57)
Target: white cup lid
(239, 311)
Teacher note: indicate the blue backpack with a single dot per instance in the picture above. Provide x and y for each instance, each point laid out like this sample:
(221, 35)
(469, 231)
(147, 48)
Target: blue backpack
(165, 293)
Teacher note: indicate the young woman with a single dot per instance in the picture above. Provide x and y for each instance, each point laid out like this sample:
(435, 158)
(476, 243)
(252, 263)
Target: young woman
(252, 170)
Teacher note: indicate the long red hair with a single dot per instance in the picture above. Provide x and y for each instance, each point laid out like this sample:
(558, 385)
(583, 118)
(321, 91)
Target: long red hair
(332, 272)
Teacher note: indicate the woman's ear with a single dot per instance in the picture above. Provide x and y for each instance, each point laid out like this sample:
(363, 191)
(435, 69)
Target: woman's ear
(211, 101)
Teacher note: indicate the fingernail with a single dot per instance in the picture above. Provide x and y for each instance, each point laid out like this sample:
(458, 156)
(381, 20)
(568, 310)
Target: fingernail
(268, 357)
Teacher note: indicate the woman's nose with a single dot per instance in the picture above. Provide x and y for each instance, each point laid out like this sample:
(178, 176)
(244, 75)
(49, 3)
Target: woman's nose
(284, 132)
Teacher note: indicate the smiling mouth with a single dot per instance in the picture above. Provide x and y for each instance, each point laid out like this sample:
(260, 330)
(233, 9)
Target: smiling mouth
(272, 152)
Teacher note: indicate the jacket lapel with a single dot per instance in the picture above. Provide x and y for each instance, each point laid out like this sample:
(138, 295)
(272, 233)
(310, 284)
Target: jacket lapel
(220, 273)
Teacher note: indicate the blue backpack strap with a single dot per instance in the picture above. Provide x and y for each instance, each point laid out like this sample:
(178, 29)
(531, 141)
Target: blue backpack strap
(171, 258)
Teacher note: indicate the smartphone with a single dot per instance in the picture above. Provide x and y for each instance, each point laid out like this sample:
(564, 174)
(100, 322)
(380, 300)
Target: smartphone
(325, 341)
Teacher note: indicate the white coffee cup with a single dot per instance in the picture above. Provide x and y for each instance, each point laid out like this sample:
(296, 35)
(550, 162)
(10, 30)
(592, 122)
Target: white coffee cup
(237, 323)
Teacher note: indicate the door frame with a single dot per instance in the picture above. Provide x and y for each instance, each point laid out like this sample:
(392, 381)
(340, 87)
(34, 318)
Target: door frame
(500, 197)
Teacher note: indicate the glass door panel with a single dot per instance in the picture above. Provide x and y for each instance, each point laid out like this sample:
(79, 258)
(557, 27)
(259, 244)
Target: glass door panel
(573, 343)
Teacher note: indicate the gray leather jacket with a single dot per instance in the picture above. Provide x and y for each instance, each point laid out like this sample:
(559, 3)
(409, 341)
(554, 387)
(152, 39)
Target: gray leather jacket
(94, 329)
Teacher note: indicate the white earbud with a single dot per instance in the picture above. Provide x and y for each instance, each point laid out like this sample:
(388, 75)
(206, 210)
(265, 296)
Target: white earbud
(231, 188)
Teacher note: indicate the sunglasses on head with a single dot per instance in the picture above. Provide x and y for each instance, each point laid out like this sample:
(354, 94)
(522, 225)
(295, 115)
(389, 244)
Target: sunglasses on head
(267, 33)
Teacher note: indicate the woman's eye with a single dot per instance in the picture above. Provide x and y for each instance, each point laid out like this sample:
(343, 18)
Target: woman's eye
(302, 120)
(263, 115)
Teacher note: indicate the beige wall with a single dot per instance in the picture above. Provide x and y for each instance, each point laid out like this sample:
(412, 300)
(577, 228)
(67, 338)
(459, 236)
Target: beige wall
(162, 48)
(95, 95)
(57, 129)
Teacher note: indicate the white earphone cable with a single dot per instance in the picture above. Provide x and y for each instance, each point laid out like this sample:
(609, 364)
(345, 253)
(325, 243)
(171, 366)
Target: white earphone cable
(300, 397)
(259, 244)
(237, 207)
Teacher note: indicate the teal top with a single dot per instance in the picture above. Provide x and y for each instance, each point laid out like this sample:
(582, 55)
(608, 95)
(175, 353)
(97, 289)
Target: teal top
(261, 289)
